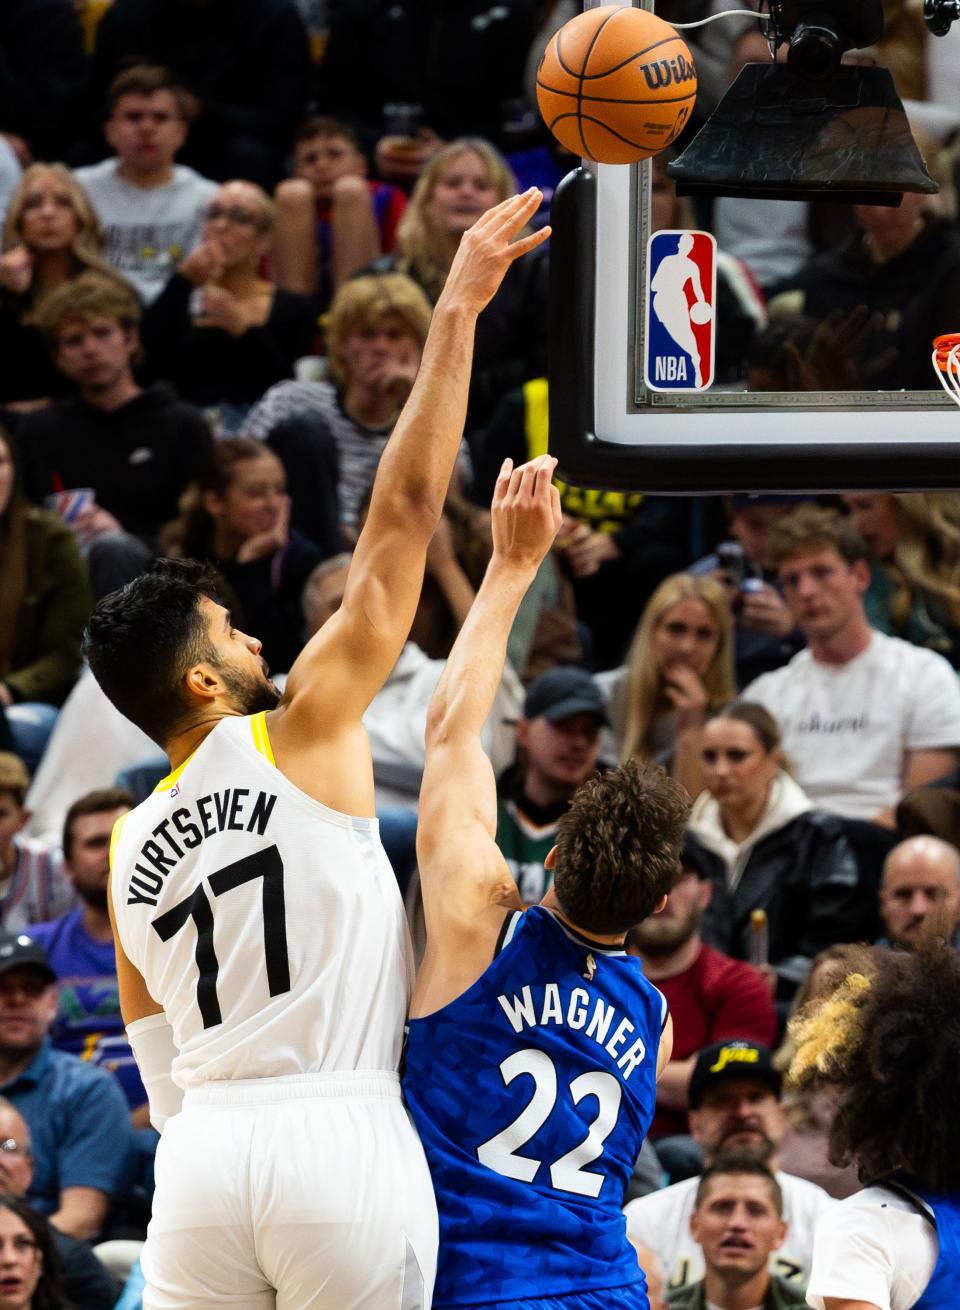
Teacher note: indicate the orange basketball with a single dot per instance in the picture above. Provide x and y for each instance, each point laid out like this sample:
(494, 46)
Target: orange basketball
(616, 84)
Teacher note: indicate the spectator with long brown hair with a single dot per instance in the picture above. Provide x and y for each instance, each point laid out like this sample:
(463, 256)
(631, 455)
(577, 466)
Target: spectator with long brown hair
(679, 668)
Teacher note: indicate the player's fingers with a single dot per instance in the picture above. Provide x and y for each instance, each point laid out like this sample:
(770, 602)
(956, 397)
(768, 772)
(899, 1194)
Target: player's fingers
(518, 248)
(500, 213)
(541, 490)
(514, 222)
(528, 481)
(556, 507)
(503, 481)
(516, 479)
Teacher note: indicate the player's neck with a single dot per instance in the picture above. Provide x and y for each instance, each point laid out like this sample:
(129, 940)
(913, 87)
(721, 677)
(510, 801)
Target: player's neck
(732, 1293)
(181, 745)
(551, 903)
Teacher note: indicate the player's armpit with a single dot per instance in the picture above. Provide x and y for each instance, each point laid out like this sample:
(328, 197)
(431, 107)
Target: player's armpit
(666, 1046)
(463, 877)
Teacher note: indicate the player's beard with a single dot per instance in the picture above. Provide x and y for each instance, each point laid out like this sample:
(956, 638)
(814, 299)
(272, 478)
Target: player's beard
(250, 694)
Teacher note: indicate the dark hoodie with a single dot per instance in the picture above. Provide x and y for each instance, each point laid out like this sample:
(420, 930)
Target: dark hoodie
(139, 459)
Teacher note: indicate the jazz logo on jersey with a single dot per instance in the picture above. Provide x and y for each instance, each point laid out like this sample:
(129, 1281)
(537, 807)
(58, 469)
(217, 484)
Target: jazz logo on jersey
(681, 296)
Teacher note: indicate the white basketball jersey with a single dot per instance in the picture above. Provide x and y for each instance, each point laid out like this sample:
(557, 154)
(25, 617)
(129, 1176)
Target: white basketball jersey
(269, 927)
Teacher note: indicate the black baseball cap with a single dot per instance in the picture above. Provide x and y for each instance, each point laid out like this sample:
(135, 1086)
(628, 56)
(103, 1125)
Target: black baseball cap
(18, 951)
(560, 693)
(736, 1058)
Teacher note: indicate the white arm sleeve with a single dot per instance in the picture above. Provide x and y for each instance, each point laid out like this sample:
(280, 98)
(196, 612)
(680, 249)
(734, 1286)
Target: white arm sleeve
(151, 1040)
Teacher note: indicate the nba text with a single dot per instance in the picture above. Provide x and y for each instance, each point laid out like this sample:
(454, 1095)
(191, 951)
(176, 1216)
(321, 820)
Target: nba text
(579, 1011)
(221, 811)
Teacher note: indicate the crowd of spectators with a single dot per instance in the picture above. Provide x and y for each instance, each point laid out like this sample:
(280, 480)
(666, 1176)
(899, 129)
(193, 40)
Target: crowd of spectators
(225, 224)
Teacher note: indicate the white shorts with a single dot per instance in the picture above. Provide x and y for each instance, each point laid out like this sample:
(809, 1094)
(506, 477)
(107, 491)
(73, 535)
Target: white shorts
(302, 1193)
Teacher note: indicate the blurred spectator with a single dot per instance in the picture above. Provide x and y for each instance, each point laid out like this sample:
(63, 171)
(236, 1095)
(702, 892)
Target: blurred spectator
(79, 947)
(765, 632)
(558, 742)
(653, 1271)
(220, 331)
(864, 717)
(43, 73)
(44, 603)
(11, 171)
(246, 63)
(914, 589)
(459, 184)
(920, 894)
(757, 837)
(77, 1115)
(32, 882)
(734, 1106)
(679, 668)
(32, 1277)
(738, 1222)
(237, 516)
(330, 435)
(331, 219)
(150, 206)
(904, 263)
(711, 996)
(455, 63)
(135, 449)
(86, 1283)
(51, 234)
(616, 545)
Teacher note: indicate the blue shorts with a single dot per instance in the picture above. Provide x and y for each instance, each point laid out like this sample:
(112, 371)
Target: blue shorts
(631, 1297)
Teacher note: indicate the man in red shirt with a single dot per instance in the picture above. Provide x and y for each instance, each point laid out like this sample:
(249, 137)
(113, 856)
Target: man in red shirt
(711, 997)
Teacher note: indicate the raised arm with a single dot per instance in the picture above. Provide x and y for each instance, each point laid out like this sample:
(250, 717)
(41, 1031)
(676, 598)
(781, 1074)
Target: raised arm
(465, 882)
(347, 662)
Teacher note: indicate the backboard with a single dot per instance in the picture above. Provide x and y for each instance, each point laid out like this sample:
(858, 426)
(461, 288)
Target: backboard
(619, 419)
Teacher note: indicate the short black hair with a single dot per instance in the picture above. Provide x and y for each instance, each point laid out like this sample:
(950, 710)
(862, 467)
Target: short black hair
(141, 640)
(731, 1163)
(618, 847)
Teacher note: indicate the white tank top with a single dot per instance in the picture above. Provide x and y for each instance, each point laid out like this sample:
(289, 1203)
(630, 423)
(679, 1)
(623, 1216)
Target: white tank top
(269, 927)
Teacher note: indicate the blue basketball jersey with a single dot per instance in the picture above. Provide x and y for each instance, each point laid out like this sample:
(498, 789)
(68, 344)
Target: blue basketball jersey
(532, 1093)
(943, 1290)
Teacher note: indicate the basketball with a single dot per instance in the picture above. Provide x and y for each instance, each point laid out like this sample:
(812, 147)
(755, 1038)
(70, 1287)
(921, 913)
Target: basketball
(616, 84)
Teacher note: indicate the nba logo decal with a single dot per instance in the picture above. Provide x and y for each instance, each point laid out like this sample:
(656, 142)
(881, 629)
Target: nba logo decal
(681, 298)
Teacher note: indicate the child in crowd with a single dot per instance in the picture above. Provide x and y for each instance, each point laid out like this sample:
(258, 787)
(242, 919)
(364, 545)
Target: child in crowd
(332, 220)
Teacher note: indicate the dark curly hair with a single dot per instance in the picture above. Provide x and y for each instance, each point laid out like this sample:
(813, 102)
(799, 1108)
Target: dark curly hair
(618, 847)
(889, 1039)
(141, 640)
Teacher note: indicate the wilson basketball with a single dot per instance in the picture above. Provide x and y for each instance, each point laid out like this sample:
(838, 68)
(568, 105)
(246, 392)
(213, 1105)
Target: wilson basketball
(616, 84)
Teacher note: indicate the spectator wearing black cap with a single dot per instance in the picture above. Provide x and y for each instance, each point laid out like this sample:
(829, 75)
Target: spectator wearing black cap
(738, 1222)
(77, 1115)
(766, 635)
(735, 1106)
(710, 995)
(558, 743)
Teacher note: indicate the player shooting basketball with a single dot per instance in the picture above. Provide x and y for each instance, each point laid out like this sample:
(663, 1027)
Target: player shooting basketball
(535, 1041)
(262, 951)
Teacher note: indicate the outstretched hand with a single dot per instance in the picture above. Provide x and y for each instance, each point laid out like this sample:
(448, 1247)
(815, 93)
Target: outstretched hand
(526, 512)
(488, 249)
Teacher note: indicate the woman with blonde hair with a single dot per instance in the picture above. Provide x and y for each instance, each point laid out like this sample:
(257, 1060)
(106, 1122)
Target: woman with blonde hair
(456, 187)
(679, 668)
(914, 588)
(50, 235)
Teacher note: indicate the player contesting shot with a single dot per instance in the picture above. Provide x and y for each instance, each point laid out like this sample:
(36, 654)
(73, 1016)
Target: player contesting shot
(262, 952)
(534, 1042)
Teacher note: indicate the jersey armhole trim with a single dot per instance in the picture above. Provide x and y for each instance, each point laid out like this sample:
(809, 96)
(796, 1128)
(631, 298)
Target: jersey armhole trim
(115, 837)
(507, 930)
(664, 1011)
(261, 737)
(918, 1203)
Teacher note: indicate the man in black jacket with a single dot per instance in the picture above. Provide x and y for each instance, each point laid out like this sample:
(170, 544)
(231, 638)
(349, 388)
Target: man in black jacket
(136, 449)
(86, 1282)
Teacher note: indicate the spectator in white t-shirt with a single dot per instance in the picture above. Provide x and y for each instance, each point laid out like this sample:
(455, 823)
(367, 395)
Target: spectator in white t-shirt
(865, 717)
(151, 208)
(734, 1098)
(888, 1042)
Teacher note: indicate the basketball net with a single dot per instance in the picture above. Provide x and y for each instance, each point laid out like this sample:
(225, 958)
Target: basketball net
(946, 364)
